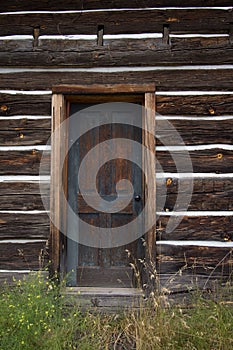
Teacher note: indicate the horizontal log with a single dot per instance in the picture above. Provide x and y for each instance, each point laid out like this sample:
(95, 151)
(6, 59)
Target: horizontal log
(165, 80)
(207, 161)
(37, 132)
(23, 256)
(24, 104)
(118, 52)
(24, 196)
(206, 228)
(119, 22)
(24, 131)
(207, 194)
(49, 5)
(171, 105)
(24, 226)
(194, 132)
(23, 162)
(173, 283)
(194, 259)
(210, 105)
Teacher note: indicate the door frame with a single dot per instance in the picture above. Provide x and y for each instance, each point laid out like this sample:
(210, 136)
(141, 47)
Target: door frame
(61, 98)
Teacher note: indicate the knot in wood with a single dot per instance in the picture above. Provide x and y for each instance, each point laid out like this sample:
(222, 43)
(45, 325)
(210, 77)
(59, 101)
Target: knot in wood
(168, 181)
(4, 108)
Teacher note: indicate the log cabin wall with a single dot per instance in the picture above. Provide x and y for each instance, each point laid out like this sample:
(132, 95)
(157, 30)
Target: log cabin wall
(186, 49)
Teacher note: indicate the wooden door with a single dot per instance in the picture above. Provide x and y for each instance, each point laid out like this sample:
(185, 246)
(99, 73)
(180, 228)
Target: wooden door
(97, 266)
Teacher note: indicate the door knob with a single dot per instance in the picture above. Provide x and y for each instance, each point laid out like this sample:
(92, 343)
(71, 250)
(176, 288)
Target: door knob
(137, 198)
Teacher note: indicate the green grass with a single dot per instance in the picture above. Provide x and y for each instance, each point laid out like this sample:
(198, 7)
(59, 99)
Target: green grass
(34, 316)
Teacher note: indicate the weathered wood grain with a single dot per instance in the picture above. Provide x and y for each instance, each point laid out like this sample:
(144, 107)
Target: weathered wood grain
(13, 104)
(24, 196)
(24, 226)
(37, 132)
(171, 105)
(214, 160)
(194, 132)
(207, 194)
(119, 22)
(187, 282)
(23, 162)
(127, 52)
(194, 259)
(24, 132)
(165, 80)
(210, 160)
(206, 228)
(195, 105)
(23, 256)
(42, 5)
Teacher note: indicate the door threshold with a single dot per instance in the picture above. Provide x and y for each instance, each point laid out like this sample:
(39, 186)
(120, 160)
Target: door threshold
(104, 298)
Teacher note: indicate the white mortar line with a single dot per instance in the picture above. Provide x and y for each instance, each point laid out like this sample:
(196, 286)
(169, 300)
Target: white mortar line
(24, 212)
(25, 148)
(16, 271)
(22, 241)
(192, 93)
(25, 92)
(68, 37)
(17, 37)
(196, 213)
(165, 175)
(198, 118)
(25, 178)
(159, 93)
(118, 69)
(31, 117)
(194, 147)
(109, 36)
(223, 8)
(197, 243)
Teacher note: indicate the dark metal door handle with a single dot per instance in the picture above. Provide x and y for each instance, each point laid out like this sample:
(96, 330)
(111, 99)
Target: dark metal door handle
(137, 198)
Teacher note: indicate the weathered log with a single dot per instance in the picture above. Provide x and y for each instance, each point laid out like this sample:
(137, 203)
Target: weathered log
(204, 228)
(171, 105)
(194, 259)
(119, 22)
(215, 160)
(24, 196)
(23, 256)
(43, 5)
(207, 194)
(211, 105)
(25, 131)
(165, 80)
(24, 226)
(210, 160)
(194, 132)
(118, 52)
(23, 162)
(13, 104)
(37, 132)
